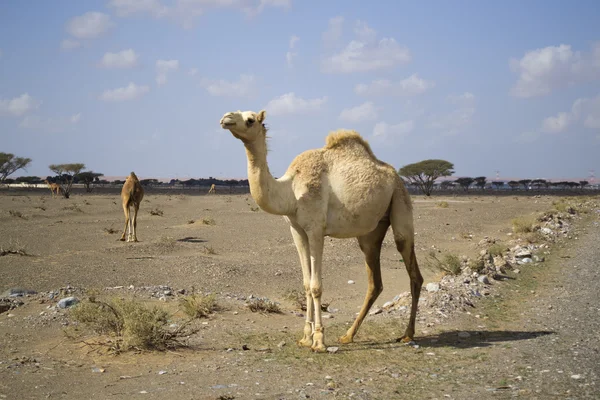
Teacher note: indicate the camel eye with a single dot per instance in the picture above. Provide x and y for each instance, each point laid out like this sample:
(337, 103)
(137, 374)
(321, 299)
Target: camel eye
(249, 121)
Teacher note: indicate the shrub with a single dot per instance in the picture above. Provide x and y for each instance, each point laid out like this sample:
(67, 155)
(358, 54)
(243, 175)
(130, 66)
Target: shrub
(263, 306)
(156, 211)
(442, 204)
(523, 224)
(208, 221)
(497, 249)
(198, 305)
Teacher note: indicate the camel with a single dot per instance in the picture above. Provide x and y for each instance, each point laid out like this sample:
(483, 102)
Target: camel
(212, 189)
(343, 191)
(53, 187)
(131, 196)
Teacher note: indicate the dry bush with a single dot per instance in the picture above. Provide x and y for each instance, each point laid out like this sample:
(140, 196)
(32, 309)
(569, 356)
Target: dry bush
(208, 221)
(449, 264)
(209, 250)
(497, 249)
(130, 324)
(73, 207)
(563, 205)
(442, 204)
(14, 247)
(156, 211)
(198, 305)
(298, 299)
(263, 306)
(523, 224)
(110, 230)
(255, 209)
(41, 208)
(16, 214)
(191, 221)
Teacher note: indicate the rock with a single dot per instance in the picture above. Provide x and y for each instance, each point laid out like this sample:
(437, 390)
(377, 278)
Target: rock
(546, 231)
(538, 258)
(350, 282)
(376, 311)
(162, 372)
(576, 377)
(332, 349)
(388, 304)
(67, 302)
(4, 307)
(281, 344)
(526, 260)
(17, 292)
(432, 287)
(464, 335)
(522, 253)
(483, 279)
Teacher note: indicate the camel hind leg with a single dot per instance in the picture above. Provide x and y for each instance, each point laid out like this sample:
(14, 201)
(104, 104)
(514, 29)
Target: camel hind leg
(370, 244)
(402, 225)
(126, 211)
(136, 207)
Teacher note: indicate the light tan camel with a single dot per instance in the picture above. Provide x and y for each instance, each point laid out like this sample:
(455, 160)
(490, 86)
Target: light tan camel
(131, 196)
(212, 189)
(53, 187)
(341, 190)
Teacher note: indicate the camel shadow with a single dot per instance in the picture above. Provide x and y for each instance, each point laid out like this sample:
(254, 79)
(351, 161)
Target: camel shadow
(192, 239)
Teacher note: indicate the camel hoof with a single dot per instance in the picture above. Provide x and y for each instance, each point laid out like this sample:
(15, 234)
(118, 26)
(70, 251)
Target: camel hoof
(305, 342)
(122, 239)
(345, 339)
(405, 339)
(319, 348)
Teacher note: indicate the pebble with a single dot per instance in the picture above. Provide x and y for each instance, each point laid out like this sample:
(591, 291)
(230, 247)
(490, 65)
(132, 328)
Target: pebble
(577, 377)
(483, 279)
(464, 335)
(162, 372)
(332, 349)
(432, 287)
(376, 311)
(350, 282)
(67, 302)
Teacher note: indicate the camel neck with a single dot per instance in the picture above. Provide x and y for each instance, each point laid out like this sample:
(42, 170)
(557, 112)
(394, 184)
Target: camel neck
(271, 195)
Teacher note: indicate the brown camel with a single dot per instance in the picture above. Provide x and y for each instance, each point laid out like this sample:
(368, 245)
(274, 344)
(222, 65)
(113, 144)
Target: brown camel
(131, 195)
(341, 190)
(212, 189)
(53, 187)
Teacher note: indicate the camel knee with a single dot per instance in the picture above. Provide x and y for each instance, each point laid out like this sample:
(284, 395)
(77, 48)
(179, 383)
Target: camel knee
(316, 292)
(377, 288)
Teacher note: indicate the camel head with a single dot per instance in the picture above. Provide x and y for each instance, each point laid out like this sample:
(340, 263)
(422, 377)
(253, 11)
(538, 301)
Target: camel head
(245, 125)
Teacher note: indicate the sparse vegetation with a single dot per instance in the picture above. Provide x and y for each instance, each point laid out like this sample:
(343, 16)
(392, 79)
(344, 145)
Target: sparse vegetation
(130, 324)
(191, 221)
(524, 224)
(497, 249)
(198, 305)
(263, 306)
(442, 204)
(73, 207)
(208, 221)
(14, 247)
(450, 263)
(209, 250)
(66, 174)
(16, 214)
(156, 211)
(111, 230)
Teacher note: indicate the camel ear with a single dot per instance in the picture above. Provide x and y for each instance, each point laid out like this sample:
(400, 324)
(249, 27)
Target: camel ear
(261, 116)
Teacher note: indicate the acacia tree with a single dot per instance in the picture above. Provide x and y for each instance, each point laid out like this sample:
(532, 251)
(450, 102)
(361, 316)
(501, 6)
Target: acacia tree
(525, 183)
(513, 184)
(9, 164)
(583, 184)
(424, 173)
(498, 184)
(480, 182)
(66, 174)
(465, 182)
(87, 178)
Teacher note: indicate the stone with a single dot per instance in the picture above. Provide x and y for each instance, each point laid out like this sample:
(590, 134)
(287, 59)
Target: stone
(522, 253)
(464, 335)
(350, 282)
(432, 287)
(483, 279)
(67, 302)
(388, 304)
(17, 292)
(376, 311)
(332, 349)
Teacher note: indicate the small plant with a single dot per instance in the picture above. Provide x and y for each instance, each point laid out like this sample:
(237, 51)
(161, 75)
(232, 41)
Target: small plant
(73, 207)
(156, 211)
(41, 208)
(129, 323)
(449, 264)
(523, 224)
(497, 249)
(110, 231)
(263, 306)
(16, 214)
(254, 209)
(13, 248)
(477, 265)
(563, 206)
(208, 221)
(209, 250)
(442, 204)
(198, 305)
(191, 221)
(297, 298)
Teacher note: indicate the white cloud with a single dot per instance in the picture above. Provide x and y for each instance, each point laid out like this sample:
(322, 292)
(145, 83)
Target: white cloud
(50, 124)
(360, 56)
(193, 71)
(129, 92)
(245, 86)
(363, 32)
(413, 85)
(89, 25)
(543, 70)
(334, 31)
(289, 103)
(364, 112)
(385, 130)
(584, 110)
(556, 124)
(163, 67)
(123, 59)
(70, 44)
(290, 55)
(124, 8)
(19, 105)
(453, 122)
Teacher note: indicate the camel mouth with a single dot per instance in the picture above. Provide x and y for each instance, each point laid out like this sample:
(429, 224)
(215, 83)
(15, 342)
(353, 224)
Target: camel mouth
(227, 123)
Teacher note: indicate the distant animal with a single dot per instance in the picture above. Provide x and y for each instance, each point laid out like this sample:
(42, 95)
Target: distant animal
(54, 187)
(212, 189)
(132, 194)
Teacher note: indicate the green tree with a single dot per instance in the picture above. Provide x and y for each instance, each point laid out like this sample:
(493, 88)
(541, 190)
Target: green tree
(513, 184)
(525, 183)
(9, 164)
(465, 182)
(583, 184)
(424, 173)
(87, 178)
(480, 182)
(498, 184)
(66, 175)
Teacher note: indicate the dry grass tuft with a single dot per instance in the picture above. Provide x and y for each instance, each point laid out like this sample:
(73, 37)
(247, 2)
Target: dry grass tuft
(198, 305)
(73, 207)
(110, 230)
(17, 214)
(209, 250)
(442, 204)
(523, 224)
(156, 211)
(450, 263)
(497, 249)
(265, 306)
(14, 247)
(130, 324)
(208, 221)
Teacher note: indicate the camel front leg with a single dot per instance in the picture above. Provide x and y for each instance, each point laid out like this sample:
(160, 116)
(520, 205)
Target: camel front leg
(416, 282)
(301, 242)
(315, 241)
(126, 211)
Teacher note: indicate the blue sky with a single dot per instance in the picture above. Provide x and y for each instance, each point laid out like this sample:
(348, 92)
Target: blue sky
(141, 85)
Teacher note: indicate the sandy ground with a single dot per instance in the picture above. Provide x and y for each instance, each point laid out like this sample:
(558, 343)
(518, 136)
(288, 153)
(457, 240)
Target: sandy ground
(222, 244)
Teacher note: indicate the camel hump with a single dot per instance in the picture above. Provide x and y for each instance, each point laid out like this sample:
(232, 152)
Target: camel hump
(343, 137)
